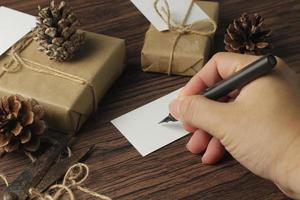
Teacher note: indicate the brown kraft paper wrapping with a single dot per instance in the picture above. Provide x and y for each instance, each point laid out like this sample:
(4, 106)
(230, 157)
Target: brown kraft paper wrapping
(67, 103)
(190, 53)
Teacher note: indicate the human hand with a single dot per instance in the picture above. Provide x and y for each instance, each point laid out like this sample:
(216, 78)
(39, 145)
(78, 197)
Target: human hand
(258, 125)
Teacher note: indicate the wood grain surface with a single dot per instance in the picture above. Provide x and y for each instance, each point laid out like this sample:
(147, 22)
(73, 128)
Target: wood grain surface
(117, 170)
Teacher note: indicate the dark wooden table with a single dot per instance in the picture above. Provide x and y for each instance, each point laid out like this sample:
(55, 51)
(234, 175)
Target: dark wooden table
(117, 169)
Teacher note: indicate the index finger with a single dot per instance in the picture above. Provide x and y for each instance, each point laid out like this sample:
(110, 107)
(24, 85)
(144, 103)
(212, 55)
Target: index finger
(219, 67)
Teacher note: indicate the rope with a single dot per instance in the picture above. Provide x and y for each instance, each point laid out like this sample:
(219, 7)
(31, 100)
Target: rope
(30, 156)
(73, 179)
(4, 179)
(69, 152)
(62, 156)
(183, 29)
(14, 53)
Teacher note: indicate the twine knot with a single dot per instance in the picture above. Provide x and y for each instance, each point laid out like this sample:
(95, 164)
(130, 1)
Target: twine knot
(181, 29)
(73, 179)
(205, 27)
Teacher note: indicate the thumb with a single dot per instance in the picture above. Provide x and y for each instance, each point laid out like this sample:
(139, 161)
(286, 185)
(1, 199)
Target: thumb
(200, 112)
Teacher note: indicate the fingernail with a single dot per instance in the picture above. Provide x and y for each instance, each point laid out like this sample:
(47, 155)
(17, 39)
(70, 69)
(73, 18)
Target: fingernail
(174, 108)
(204, 158)
(188, 145)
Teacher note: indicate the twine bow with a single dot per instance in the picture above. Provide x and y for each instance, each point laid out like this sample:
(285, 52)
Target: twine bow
(17, 62)
(206, 27)
(73, 179)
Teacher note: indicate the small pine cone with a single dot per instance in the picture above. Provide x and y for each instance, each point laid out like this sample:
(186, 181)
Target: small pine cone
(245, 36)
(57, 33)
(21, 124)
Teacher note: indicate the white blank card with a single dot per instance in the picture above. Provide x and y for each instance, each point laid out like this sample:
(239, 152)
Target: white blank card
(141, 127)
(13, 26)
(178, 9)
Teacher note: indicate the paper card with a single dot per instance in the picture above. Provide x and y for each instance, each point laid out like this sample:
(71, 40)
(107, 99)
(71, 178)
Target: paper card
(142, 129)
(178, 9)
(13, 26)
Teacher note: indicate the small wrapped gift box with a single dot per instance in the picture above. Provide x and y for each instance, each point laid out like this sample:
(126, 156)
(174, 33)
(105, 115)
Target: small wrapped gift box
(69, 91)
(180, 52)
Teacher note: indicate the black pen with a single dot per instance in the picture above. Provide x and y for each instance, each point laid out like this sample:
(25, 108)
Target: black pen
(239, 79)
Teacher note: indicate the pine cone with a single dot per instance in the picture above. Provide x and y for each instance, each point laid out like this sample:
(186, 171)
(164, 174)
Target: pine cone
(21, 124)
(245, 35)
(57, 32)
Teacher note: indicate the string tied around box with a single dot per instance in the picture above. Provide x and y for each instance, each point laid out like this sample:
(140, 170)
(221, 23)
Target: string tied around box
(16, 63)
(73, 180)
(205, 27)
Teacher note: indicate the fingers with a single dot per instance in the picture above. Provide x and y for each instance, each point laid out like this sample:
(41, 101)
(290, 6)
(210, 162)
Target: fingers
(197, 111)
(202, 142)
(221, 66)
(189, 128)
(234, 93)
(214, 152)
(198, 142)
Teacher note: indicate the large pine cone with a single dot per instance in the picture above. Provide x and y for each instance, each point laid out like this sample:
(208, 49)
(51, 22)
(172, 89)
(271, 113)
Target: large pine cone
(21, 124)
(57, 32)
(245, 35)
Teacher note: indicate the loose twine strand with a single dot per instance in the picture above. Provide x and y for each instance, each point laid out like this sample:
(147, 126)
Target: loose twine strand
(4, 179)
(30, 156)
(69, 154)
(20, 62)
(182, 29)
(73, 179)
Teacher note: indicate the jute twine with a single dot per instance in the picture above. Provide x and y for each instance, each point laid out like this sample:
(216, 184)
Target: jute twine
(4, 179)
(206, 27)
(17, 62)
(69, 154)
(73, 179)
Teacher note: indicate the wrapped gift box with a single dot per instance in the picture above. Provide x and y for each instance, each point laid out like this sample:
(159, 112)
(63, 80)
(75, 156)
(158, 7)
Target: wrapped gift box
(69, 91)
(191, 51)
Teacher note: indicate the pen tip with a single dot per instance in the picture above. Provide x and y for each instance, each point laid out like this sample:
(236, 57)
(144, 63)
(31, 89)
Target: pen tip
(162, 121)
(165, 120)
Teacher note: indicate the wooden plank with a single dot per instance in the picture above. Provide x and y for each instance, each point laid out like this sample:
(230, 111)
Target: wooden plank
(117, 170)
